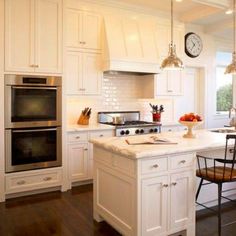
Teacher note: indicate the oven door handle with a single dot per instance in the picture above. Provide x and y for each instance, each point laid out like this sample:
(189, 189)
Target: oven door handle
(23, 87)
(32, 130)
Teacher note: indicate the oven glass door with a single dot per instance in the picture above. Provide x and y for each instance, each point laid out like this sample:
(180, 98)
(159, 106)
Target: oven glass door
(33, 149)
(33, 104)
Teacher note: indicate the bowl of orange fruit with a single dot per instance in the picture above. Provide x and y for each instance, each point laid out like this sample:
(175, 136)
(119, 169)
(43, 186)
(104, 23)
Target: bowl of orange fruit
(190, 120)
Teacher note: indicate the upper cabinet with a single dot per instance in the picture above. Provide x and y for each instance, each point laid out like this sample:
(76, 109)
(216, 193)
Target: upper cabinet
(33, 36)
(163, 38)
(169, 83)
(83, 30)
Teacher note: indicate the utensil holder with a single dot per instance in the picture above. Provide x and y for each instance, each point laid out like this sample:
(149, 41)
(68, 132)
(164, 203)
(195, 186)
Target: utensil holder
(83, 120)
(156, 117)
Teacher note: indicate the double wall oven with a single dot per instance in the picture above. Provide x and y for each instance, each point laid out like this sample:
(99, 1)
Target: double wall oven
(32, 122)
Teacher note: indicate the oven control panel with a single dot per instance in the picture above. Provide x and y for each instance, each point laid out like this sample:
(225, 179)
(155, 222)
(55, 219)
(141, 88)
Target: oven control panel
(137, 130)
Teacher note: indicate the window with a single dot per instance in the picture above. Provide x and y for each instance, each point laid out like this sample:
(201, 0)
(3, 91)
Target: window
(224, 84)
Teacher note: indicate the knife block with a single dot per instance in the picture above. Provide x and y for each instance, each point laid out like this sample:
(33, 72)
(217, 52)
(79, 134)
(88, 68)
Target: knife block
(83, 120)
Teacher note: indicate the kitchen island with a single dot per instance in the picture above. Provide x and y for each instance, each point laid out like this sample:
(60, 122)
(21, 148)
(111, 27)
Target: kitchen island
(149, 189)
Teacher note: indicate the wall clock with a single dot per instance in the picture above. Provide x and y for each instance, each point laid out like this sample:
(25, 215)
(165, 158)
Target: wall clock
(193, 44)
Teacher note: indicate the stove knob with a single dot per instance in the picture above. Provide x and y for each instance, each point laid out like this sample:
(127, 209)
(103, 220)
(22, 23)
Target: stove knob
(141, 131)
(137, 131)
(127, 132)
(155, 130)
(151, 130)
(122, 132)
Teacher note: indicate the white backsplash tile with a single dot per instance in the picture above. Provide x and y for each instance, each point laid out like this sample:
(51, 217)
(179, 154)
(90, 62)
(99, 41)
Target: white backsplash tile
(120, 93)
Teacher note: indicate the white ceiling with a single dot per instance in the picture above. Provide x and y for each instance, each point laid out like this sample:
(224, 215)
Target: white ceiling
(208, 13)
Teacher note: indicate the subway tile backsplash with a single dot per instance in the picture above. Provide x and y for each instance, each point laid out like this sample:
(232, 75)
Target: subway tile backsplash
(119, 93)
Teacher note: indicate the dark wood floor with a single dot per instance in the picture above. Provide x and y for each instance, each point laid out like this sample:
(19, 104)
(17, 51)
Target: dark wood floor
(70, 214)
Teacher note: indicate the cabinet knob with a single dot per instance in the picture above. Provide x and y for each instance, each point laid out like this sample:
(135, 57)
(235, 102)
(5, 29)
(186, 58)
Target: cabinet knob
(165, 185)
(182, 162)
(174, 183)
(85, 149)
(77, 137)
(155, 166)
(169, 130)
(169, 91)
(101, 135)
(47, 178)
(21, 182)
(36, 66)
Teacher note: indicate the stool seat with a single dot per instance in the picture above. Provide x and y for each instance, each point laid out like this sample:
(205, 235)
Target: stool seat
(217, 174)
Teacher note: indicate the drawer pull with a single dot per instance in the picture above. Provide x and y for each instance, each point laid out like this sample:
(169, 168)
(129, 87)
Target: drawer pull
(155, 166)
(165, 185)
(174, 183)
(77, 137)
(47, 178)
(101, 135)
(85, 149)
(170, 91)
(169, 130)
(182, 162)
(21, 182)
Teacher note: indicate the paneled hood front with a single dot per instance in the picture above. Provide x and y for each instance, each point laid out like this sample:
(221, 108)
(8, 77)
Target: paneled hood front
(129, 45)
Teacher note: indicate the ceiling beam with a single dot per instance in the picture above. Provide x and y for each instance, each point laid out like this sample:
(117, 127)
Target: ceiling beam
(198, 13)
(219, 26)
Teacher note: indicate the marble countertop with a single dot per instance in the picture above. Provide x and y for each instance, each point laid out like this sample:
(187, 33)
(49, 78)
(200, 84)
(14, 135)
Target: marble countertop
(205, 140)
(90, 127)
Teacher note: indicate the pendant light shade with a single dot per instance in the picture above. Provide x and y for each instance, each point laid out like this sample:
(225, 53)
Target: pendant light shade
(231, 68)
(172, 62)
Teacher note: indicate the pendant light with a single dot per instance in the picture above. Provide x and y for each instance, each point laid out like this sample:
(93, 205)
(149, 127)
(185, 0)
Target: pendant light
(172, 62)
(231, 68)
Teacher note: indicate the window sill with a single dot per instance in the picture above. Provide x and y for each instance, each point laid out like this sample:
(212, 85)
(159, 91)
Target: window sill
(221, 116)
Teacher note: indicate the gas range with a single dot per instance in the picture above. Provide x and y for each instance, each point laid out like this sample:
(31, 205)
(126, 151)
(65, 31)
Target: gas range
(132, 125)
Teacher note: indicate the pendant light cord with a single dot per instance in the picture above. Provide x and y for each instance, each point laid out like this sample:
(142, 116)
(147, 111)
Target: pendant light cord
(234, 26)
(172, 22)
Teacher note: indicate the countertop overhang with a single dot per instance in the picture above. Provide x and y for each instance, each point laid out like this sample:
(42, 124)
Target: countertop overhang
(205, 141)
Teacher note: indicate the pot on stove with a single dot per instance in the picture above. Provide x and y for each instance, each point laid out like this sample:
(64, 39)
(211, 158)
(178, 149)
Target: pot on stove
(118, 120)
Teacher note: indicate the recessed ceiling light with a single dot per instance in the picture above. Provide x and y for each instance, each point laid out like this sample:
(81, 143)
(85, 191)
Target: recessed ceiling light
(229, 11)
(178, 0)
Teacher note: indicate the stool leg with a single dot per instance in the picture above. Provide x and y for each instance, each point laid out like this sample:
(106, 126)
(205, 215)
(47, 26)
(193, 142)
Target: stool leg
(199, 188)
(219, 208)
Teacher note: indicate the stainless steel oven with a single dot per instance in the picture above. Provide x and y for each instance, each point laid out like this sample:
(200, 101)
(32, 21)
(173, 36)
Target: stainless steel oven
(32, 148)
(32, 101)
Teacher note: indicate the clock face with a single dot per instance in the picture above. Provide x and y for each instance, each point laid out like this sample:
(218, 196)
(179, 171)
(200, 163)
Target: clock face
(193, 45)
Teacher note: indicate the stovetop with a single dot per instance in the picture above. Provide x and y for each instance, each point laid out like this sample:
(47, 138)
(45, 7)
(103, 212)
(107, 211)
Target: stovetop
(132, 126)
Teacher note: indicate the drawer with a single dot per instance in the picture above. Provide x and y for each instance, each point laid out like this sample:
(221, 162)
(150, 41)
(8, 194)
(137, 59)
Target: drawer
(181, 161)
(101, 134)
(154, 165)
(20, 182)
(78, 137)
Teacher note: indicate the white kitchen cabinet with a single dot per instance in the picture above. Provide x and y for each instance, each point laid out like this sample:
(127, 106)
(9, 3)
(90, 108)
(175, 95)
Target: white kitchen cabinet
(78, 161)
(155, 206)
(33, 36)
(169, 83)
(182, 194)
(161, 188)
(32, 180)
(83, 30)
(83, 73)
(80, 153)
(163, 38)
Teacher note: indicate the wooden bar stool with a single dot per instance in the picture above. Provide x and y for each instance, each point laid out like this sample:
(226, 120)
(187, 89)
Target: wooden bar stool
(218, 171)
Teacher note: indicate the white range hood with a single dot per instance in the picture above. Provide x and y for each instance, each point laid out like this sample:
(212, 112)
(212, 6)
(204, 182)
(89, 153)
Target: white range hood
(130, 45)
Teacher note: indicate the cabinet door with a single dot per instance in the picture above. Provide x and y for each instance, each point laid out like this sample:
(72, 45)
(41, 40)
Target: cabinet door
(48, 36)
(91, 31)
(78, 161)
(74, 73)
(92, 74)
(19, 35)
(74, 28)
(182, 200)
(154, 205)
(169, 83)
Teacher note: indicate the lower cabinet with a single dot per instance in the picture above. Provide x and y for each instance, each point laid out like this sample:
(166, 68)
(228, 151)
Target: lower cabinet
(167, 200)
(78, 161)
(32, 180)
(80, 153)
